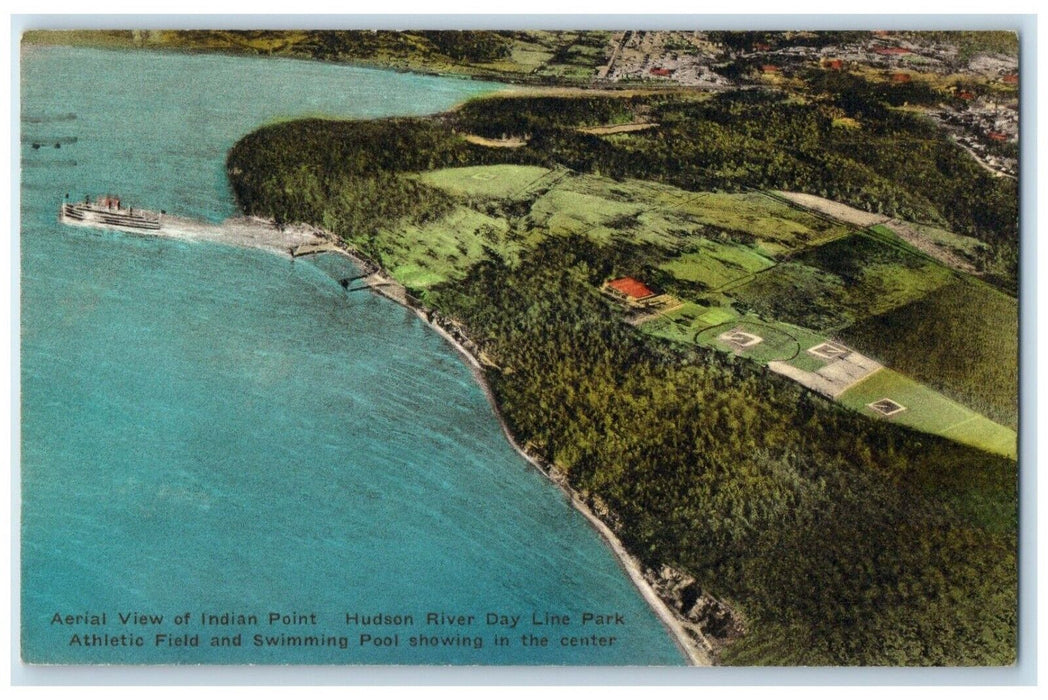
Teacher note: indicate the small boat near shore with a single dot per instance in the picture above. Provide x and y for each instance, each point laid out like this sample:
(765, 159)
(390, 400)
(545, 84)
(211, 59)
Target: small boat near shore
(107, 211)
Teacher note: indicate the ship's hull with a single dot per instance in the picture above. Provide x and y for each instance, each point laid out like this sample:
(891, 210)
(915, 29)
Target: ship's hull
(94, 215)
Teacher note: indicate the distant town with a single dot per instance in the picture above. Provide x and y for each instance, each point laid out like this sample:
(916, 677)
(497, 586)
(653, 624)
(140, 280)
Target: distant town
(748, 298)
(965, 81)
(980, 92)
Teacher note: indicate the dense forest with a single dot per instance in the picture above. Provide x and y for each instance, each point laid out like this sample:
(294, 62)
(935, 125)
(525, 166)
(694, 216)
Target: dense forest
(839, 539)
(898, 164)
(843, 540)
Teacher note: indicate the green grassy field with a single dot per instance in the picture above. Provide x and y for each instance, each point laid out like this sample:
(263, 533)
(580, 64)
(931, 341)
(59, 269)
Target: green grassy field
(682, 325)
(774, 227)
(807, 338)
(781, 342)
(714, 265)
(651, 193)
(487, 181)
(422, 256)
(929, 411)
(961, 339)
(695, 324)
(830, 287)
(563, 211)
(775, 344)
(870, 290)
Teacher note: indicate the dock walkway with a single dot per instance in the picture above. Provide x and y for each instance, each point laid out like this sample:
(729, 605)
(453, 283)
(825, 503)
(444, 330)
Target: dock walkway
(314, 249)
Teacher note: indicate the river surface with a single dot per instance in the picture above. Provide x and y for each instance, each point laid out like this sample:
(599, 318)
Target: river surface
(221, 431)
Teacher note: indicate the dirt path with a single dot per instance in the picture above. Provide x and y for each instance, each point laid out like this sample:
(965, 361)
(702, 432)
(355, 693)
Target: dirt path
(617, 128)
(602, 72)
(922, 243)
(495, 143)
(836, 210)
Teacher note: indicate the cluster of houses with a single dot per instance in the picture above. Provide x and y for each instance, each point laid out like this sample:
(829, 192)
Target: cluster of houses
(985, 122)
(683, 58)
(975, 121)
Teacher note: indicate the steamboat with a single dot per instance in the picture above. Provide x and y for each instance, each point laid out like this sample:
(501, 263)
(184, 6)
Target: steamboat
(107, 211)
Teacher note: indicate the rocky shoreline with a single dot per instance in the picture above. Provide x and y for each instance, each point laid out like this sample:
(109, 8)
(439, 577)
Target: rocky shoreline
(699, 622)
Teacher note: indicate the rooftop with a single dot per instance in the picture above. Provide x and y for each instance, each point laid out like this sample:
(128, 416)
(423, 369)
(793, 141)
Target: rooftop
(632, 288)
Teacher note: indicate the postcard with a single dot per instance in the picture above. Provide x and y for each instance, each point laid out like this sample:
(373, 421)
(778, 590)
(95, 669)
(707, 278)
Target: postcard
(518, 347)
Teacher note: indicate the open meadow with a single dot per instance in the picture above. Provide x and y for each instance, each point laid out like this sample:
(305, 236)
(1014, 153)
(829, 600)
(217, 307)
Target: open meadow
(728, 377)
(794, 281)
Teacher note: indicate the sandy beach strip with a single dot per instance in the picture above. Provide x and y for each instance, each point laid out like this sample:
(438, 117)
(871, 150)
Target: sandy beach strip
(242, 231)
(246, 232)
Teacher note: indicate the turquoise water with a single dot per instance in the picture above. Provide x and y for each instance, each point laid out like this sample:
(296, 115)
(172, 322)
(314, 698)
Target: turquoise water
(208, 429)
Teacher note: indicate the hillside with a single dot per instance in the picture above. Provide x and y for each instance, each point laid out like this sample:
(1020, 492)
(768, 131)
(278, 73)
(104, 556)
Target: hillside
(837, 537)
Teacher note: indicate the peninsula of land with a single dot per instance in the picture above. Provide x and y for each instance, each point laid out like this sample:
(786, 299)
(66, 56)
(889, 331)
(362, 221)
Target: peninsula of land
(800, 422)
(965, 81)
(773, 514)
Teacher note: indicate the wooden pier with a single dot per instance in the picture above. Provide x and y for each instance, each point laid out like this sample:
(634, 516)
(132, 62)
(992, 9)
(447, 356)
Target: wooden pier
(313, 249)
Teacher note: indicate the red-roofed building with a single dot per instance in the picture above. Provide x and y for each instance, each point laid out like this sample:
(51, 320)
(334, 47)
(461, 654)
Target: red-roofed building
(965, 95)
(629, 289)
(1011, 79)
(768, 68)
(833, 64)
(901, 77)
(661, 72)
(997, 136)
